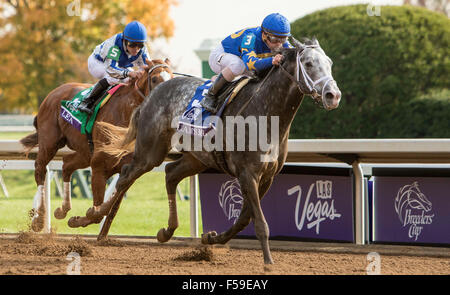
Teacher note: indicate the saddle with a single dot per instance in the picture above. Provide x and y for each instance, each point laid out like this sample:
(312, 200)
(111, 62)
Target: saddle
(102, 95)
(232, 89)
(82, 121)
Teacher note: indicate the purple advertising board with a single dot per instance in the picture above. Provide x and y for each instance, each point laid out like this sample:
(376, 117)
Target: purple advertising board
(411, 209)
(298, 206)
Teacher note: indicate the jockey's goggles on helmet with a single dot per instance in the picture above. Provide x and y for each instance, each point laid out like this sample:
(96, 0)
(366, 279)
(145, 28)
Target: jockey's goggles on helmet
(275, 39)
(135, 44)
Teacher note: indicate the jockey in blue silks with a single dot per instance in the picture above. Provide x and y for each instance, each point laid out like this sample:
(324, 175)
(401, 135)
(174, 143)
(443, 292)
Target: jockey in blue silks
(249, 49)
(112, 61)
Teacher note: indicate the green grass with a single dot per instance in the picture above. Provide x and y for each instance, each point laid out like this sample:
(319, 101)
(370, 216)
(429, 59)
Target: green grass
(13, 135)
(143, 212)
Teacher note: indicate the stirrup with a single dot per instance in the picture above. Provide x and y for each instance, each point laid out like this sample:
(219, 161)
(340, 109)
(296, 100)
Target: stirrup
(210, 103)
(84, 108)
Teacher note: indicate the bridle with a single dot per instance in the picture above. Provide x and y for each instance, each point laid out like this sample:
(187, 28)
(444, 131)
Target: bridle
(306, 81)
(148, 78)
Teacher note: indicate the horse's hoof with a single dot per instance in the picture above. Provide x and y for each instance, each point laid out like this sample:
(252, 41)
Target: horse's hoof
(164, 235)
(96, 220)
(206, 238)
(73, 222)
(60, 213)
(37, 224)
(92, 214)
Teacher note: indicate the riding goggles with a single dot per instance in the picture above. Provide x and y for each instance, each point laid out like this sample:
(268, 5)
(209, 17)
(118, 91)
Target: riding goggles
(275, 39)
(135, 44)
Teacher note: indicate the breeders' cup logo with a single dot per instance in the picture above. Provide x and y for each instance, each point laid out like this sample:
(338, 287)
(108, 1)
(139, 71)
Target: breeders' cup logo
(315, 210)
(230, 199)
(73, 105)
(411, 205)
(193, 114)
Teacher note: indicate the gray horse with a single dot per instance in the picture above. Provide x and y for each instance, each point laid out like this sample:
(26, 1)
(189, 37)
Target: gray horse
(306, 70)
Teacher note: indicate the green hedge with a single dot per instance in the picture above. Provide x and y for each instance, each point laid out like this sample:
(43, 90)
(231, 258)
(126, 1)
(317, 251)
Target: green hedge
(382, 65)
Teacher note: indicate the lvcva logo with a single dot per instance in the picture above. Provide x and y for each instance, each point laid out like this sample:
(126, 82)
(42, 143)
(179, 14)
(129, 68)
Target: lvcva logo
(412, 207)
(315, 210)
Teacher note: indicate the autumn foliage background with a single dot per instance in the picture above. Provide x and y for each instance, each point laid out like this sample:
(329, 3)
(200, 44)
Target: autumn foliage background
(44, 44)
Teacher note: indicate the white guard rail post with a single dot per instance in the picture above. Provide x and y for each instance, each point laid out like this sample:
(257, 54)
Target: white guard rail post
(359, 203)
(193, 198)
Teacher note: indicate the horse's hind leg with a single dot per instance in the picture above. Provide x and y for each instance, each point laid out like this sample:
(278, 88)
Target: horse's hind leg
(147, 156)
(71, 163)
(47, 150)
(241, 223)
(176, 171)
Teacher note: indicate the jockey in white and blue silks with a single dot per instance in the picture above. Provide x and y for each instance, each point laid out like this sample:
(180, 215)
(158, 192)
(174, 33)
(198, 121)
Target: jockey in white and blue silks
(249, 49)
(113, 60)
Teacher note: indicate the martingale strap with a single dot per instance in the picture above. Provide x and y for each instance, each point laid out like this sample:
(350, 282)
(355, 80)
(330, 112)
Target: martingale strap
(254, 93)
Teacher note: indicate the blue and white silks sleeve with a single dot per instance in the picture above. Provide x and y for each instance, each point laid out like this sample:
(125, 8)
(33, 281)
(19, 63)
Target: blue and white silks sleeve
(249, 56)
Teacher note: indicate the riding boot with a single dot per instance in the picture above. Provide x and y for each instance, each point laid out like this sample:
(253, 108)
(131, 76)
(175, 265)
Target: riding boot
(211, 102)
(87, 104)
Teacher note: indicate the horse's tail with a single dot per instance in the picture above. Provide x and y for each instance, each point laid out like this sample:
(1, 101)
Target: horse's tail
(121, 140)
(31, 140)
(130, 137)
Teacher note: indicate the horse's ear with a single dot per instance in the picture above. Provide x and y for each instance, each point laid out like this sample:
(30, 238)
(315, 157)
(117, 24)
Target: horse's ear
(297, 44)
(149, 63)
(315, 41)
(167, 61)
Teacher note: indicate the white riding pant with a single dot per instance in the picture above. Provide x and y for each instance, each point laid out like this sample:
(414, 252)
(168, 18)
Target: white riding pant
(219, 60)
(98, 71)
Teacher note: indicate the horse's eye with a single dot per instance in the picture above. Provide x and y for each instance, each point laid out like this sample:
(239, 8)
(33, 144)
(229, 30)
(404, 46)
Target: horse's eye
(309, 64)
(154, 79)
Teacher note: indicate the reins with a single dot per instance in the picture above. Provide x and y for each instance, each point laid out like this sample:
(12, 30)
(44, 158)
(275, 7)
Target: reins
(306, 79)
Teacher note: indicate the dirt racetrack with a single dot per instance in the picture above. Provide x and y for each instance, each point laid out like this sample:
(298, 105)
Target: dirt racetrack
(31, 254)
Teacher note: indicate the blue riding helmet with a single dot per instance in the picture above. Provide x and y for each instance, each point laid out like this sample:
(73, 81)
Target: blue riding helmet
(277, 25)
(135, 32)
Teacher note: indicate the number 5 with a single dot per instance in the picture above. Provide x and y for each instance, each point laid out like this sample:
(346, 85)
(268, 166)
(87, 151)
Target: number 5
(114, 52)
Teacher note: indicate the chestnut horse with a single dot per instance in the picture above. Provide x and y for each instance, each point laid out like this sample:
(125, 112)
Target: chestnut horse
(53, 133)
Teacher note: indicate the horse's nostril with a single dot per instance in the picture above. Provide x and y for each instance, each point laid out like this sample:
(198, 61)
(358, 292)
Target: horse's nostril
(329, 95)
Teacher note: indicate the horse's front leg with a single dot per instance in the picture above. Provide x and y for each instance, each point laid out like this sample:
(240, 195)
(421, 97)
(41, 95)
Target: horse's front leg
(250, 193)
(251, 208)
(71, 163)
(94, 214)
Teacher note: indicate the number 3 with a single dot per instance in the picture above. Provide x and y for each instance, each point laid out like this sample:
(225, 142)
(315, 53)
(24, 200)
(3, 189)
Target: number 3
(248, 41)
